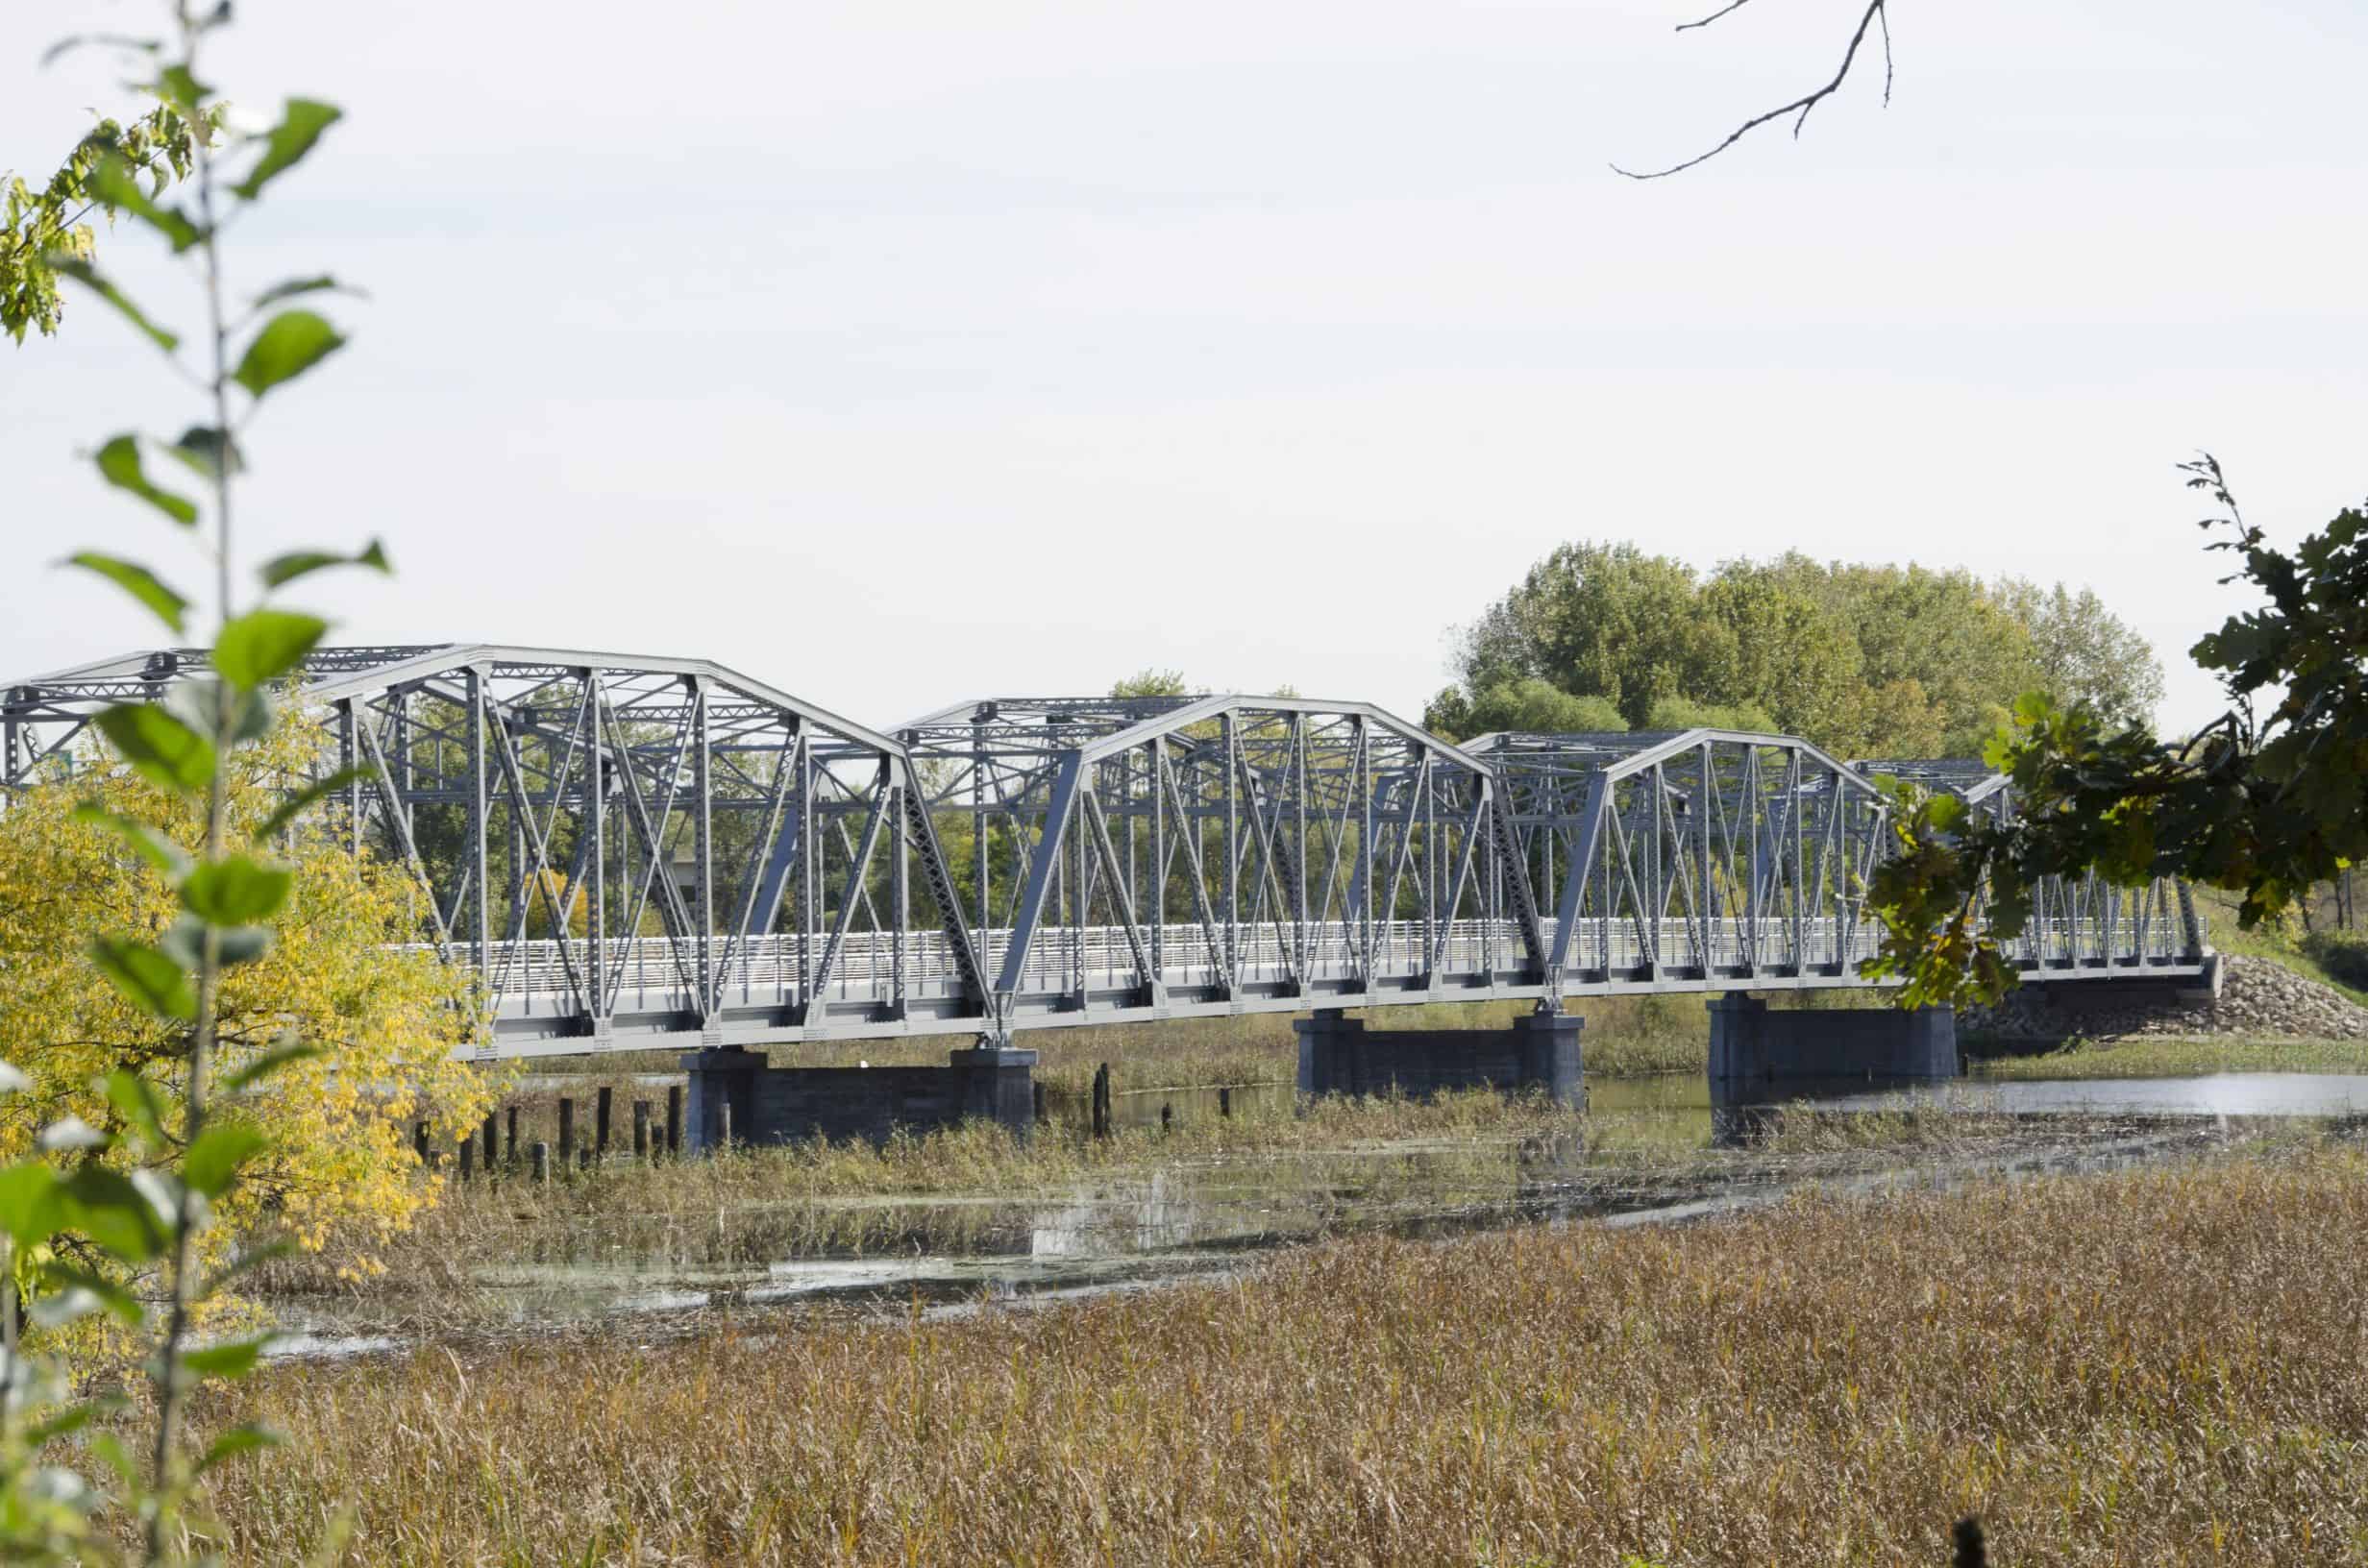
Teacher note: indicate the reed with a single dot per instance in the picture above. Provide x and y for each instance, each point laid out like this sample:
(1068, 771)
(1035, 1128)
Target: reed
(2154, 1367)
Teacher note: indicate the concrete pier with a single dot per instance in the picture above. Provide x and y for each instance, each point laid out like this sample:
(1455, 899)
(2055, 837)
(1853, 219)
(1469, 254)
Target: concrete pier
(1752, 1046)
(1338, 1055)
(781, 1105)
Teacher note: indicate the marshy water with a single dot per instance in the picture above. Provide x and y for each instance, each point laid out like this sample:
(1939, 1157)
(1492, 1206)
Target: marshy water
(1649, 1150)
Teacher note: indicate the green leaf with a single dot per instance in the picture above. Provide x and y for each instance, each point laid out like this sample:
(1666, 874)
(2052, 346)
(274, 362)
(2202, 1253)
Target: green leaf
(290, 343)
(299, 127)
(110, 1450)
(88, 41)
(86, 275)
(203, 449)
(134, 1099)
(119, 465)
(154, 982)
(72, 1419)
(236, 889)
(185, 941)
(235, 1360)
(264, 1066)
(114, 184)
(212, 1161)
(281, 569)
(30, 1203)
(139, 582)
(290, 808)
(263, 644)
(242, 944)
(82, 1290)
(178, 85)
(288, 290)
(241, 1439)
(158, 747)
(153, 847)
(114, 1213)
(199, 704)
(1944, 812)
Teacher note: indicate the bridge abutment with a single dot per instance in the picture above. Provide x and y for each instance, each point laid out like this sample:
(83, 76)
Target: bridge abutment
(783, 1105)
(1753, 1045)
(1338, 1055)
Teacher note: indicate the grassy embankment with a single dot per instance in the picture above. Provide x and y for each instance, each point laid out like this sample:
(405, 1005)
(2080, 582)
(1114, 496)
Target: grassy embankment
(2284, 944)
(2143, 1368)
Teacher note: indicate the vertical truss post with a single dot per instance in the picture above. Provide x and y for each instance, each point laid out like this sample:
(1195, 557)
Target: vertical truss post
(349, 756)
(1231, 735)
(596, 826)
(1157, 909)
(703, 847)
(1365, 850)
(481, 905)
(901, 899)
(1702, 892)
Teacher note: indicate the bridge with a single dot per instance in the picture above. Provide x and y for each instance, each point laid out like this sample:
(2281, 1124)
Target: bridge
(631, 852)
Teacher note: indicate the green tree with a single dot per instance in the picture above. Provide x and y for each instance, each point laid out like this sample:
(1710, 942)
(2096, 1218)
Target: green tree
(1880, 661)
(1150, 682)
(1685, 713)
(2083, 653)
(1528, 706)
(2267, 801)
(1597, 620)
(1790, 657)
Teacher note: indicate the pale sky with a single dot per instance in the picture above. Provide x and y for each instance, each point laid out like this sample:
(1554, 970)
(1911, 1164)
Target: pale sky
(902, 353)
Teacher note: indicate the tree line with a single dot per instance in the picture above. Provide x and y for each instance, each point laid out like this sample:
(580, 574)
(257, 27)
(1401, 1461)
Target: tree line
(1866, 661)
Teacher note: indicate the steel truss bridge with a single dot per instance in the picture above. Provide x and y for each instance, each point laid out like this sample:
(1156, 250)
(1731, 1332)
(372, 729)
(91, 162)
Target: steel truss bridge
(632, 852)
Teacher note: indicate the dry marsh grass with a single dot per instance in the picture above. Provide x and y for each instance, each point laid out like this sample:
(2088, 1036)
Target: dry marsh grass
(729, 1208)
(2145, 1057)
(2143, 1368)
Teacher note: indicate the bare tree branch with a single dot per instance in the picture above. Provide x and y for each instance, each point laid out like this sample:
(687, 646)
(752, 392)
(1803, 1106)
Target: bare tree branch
(1735, 5)
(1877, 12)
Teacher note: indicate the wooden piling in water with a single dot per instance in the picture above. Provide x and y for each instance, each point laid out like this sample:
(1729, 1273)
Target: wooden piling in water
(599, 1123)
(510, 1148)
(542, 1162)
(493, 1144)
(674, 1118)
(1101, 1100)
(419, 1143)
(468, 1157)
(641, 1128)
(1224, 1101)
(567, 1132)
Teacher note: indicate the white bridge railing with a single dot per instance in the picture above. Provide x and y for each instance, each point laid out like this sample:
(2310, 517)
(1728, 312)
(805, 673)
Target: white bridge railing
(660, 973)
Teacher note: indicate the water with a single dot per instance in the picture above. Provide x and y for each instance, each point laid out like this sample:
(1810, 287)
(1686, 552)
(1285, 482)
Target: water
(1645, 1154)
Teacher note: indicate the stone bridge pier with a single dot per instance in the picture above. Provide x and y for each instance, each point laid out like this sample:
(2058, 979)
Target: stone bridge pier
(1756, 1049)
(1338, 1055)
(781, 1105)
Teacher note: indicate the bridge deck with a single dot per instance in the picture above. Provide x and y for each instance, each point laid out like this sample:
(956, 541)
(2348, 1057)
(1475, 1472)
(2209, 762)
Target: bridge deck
(1080, 977)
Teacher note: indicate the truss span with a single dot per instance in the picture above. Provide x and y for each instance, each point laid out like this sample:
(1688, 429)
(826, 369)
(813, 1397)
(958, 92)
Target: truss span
(626, 852)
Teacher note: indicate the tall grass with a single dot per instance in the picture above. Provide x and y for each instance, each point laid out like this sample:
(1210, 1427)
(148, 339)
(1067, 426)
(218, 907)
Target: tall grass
(2149, 1057)
(2143, 1368)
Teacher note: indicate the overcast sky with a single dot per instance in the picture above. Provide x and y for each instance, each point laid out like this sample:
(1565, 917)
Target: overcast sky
(902, 353)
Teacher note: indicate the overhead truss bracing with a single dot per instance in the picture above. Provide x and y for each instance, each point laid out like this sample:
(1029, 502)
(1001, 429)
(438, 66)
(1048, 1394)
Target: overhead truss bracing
(1150, 857)
(623, 851)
